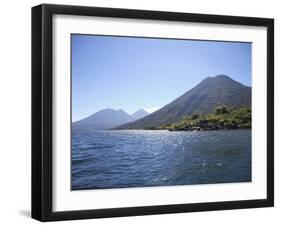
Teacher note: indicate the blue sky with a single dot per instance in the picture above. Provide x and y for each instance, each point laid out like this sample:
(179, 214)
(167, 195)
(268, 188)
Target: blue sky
(132, 73)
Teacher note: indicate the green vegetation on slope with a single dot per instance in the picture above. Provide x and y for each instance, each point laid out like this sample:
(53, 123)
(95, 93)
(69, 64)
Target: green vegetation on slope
(221, 118)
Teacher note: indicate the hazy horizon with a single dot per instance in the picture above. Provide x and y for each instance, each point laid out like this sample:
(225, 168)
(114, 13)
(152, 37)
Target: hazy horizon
(141, 73)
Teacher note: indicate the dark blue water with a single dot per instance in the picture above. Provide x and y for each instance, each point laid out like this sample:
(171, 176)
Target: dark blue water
(117, 159)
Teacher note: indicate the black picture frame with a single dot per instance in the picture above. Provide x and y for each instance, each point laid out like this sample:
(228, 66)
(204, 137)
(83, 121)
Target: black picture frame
(42, 111)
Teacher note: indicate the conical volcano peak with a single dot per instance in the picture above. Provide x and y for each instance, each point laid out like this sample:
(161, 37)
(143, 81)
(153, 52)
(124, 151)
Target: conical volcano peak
(218, 82)
(222, 76)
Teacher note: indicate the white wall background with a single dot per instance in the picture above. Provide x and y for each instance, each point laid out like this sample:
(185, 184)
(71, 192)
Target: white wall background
(15, 118)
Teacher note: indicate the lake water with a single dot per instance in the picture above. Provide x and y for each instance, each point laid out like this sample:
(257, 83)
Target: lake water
(117, 159)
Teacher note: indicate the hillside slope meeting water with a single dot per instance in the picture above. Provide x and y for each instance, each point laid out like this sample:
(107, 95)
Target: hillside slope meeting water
(140, 158)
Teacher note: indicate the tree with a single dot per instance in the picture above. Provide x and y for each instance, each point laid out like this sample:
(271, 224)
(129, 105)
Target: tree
(221, 110)
(195, 116)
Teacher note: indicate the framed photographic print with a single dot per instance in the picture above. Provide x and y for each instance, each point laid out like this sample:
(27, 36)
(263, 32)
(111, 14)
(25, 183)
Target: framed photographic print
(145, 112)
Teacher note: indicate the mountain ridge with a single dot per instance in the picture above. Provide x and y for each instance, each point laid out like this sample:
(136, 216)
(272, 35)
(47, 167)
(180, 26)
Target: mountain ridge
(103, 119)
(211, 92)
(140, 114)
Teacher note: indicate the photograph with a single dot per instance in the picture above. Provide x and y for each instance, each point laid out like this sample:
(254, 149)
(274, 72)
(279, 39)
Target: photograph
(142, 111)
(150, 111)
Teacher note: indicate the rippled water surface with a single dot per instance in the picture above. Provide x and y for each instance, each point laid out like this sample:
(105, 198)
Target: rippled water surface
(116, 159)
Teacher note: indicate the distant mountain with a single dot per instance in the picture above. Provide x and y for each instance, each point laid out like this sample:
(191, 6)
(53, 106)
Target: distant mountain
(104, 119)
(203, 98)
(140, 114)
